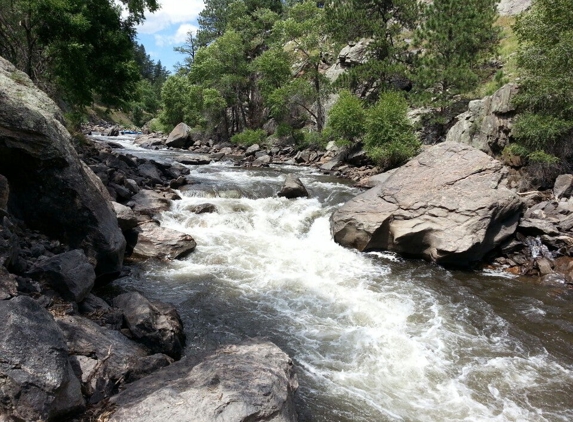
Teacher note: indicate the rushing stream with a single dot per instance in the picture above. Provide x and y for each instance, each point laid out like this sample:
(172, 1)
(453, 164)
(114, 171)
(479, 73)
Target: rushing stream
(374, 337)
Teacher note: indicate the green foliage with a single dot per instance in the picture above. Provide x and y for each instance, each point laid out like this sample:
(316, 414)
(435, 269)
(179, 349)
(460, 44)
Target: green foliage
(83, 48)
(180, 100)
(545, 99)
(346, 120)
(390, 138)
(249, 137)
(457, 37)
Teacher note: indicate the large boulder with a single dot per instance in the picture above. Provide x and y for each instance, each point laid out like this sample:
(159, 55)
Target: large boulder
(447, 205)
(36, 380)
(155, 324)
(253, 382)
(102, 358)
(50, 189)
(179, 136)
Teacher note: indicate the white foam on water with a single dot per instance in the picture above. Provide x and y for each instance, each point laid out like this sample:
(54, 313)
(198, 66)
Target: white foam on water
(384, 346)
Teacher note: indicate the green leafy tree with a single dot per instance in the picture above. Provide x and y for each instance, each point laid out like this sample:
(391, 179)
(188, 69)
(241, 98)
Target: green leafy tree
(456, 38)
(545, 100)
(390, 139)
(83, 48)
(346, 120)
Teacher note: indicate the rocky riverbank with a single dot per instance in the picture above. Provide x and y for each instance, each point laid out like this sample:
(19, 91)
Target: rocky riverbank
(68, 220)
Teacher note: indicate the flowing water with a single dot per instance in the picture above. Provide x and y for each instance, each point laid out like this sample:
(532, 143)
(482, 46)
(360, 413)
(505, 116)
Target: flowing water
(373, 337)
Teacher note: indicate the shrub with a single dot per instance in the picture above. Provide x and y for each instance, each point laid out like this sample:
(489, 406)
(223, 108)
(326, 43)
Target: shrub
(346, 120)
(249, 137)
(390, 138)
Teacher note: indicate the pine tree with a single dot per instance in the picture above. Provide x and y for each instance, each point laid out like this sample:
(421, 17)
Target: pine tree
(456, 38)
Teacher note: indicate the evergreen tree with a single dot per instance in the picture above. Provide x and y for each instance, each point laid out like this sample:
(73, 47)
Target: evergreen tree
(456, 38)
(383, 23)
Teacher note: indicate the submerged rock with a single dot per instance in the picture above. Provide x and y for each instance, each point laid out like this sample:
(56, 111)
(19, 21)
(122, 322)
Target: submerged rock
(447, 205)
(253, 381)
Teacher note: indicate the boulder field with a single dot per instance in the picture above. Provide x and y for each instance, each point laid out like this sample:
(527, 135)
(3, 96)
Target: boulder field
(65, 351)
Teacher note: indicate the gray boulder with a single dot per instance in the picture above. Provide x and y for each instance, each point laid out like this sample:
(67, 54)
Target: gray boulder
(513, 7)
(70, 274)
(49, 187)
(447, 205)
(38, 383)
(293, 188)
(563, 186)
(125, 216)
(155, 324)
(254, 381)
(179, 136)
(154, 241)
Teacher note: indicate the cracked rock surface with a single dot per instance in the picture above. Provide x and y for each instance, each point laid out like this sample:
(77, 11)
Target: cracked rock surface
(448, 205)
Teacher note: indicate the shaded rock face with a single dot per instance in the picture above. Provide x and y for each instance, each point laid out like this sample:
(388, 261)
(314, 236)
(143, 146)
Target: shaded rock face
(252, 382)
(50, 189)
(36, 379)
(70, 273)
(447, 205)
(488, 122)
(155, 324)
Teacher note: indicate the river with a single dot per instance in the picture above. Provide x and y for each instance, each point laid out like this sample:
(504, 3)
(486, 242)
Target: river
(374, 337)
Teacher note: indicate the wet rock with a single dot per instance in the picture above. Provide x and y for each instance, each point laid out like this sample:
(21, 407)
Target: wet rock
(253, 381)
(49, 186)
(104, 357)
(70, 274)
(8, 284)
(194, 159)
(293, 188)
(114, 131)
(179, 136)
(203, 209)
(37, 380)
(155, 324)
(154, 241)
(447, 205)
(544, 265)
(177, 183)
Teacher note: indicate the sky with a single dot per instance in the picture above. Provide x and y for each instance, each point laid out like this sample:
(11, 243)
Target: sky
(168, 28)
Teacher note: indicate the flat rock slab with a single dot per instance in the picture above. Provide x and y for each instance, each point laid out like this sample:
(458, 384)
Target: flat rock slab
(154, 241)
(447, 205)
(253, 381)
(149, 202)
(36, 379)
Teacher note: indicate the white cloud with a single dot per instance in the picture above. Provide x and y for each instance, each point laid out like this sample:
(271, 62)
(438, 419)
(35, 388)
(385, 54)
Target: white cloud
(178, 38)
(172, 12)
